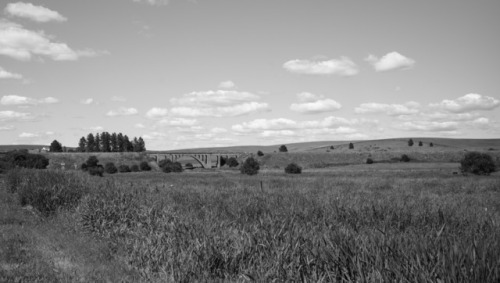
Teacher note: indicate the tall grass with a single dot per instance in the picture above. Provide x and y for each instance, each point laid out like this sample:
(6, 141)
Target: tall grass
(381, 229)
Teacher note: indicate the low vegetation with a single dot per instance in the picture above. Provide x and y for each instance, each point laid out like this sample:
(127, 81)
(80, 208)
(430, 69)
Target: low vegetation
(477, 163)
(293, 168)
(250, 166)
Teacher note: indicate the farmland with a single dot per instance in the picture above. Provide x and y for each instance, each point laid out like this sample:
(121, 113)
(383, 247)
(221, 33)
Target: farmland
(382, 222)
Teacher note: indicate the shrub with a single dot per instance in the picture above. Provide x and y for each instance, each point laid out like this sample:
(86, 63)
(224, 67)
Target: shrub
(4, 166)
(351, 145)
(189, 166)
(134, 168)
(110, 168)
(92, 161)
(420, 143)
(21, 158)
(331, 147)
(96, 171)
(293, 168)
(145, 166)
(123, 168)
(431, 144)
(168, 166)
(410, 142)
(477, 163)
(84, 167)
(283, 148)
(405, 158)
(260, 153)
(369, 161)
(232, 162)
(250, 166)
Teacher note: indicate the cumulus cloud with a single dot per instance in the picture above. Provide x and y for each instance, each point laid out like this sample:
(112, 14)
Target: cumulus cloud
(311, 103)
(155, 113)
(153, 2)
(22, 100)
(22, 44)
(220, 103)
(34, 13)
(28, 135)
(7, 128)
(390, 61)
(15, 116)
(87, 101)
(342, 67)
(139, 126)
(428, 126)
(468, 102)
(123, 111)
(4, 74)
(177, 122)
(227, 84)
(389, 109)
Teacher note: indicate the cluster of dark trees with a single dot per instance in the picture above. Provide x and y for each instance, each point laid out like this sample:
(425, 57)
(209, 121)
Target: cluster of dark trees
(21, 158)
(106, 142)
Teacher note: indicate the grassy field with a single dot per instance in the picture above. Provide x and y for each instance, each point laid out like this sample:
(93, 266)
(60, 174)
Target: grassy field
(359, 223)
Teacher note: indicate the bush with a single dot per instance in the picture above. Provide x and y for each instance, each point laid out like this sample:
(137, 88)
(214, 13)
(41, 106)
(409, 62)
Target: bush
(431, 144)
(250, 167)
(21, 158)
(351, 145)
(145, 166)
(110, 168)
(92, 161)
(123, 168)
(260, 153)
(477, 163)
(232, 162)
(96, 171)
(293, 168)
(189, 166)
(168, 166)
(134, 168)
(84, 167)
(404, 158)
(283, 148)
(369, 161)
(420, 143)
(410, 142)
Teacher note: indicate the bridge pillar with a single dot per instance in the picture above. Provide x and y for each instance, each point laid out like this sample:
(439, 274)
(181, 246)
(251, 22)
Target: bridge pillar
(208, 161)
(218, 160)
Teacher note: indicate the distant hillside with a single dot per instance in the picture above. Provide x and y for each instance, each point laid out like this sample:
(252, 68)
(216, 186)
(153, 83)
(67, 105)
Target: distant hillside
(21, 146)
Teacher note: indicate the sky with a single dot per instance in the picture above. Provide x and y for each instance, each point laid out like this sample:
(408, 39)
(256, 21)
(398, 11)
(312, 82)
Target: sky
(204, 73)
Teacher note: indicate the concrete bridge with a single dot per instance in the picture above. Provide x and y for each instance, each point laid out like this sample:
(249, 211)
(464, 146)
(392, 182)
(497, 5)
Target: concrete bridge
(206, 160)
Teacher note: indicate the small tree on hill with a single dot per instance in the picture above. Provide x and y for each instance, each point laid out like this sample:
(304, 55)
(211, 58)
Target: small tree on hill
(134, 168)
(410, 142)
(477, 163)
(369, 161)
(92, 161)
(405, 158)
(351, 145)
(283, 148)
(123, 168)
(250, 166)
(293, 168)
(145, 166)
(260, 153)
(82, 144)
(56, 146)
(420, 143)
(110, 168)
(431, 144)
(232, 162)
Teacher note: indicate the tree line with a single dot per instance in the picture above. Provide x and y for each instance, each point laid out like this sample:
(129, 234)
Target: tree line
(106, 142)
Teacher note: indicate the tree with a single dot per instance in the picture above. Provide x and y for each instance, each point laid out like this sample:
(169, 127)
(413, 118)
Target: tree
(283, 148)
(477, 163)
(56, 146)
(90, 143)
(92, 161)
(410, 142)
(82, 145)
(420, 143)
(232, 162)
(120, 143)
(97, 143)
(106, 142)
(128, 145)
(405, 158)
(260, 153)
(250, 166)
(142, 145)
(110, 168)
(431, 144)
(145, 166)
(114, 142)
(135, 144)
(293, 168)
(351, 145)
(369, 161)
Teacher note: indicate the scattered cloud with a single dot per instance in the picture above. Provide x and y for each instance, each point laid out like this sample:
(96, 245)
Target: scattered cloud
(342, 67)
(409, 108)
(34, 13)
(390, 61)
(468, 102)
(218, 130)
(7, 128)
(155, 113)
(311, 103)
(123, 111)
(118, 99)
(15, 116)
(22, 100)
(227, 85)
(176, 122)
(87, 101)
(24, 135)
(139, 126)
(428, 126)
(220, 103)
(4, 74)
(22, 44)
(153, 2)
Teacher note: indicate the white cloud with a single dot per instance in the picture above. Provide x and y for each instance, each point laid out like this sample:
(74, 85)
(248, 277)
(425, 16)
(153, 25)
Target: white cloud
(265, 124)
(96, 128)
(342, 67)
(122, 112)
(118, 98)
(409, 108)
(87, 101)
(468, 102)
(220, 103)
(22, 100)
(177, 122)
(139, 126)
(4, 74)
(24, 135)
(153, 2)
(22, 44)
(390, 61)
(15, 116)
(428, 126)
(218, 130)
(280, 133)
(32, 12)
(7, 128)
(323, 105)
(227, 84)
(155, 113)
(308, 97)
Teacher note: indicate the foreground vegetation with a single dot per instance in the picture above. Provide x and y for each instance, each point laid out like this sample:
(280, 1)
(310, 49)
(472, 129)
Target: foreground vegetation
(345, 226)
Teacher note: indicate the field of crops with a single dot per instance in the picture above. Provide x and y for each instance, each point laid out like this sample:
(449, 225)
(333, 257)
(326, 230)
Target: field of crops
(332, 226)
